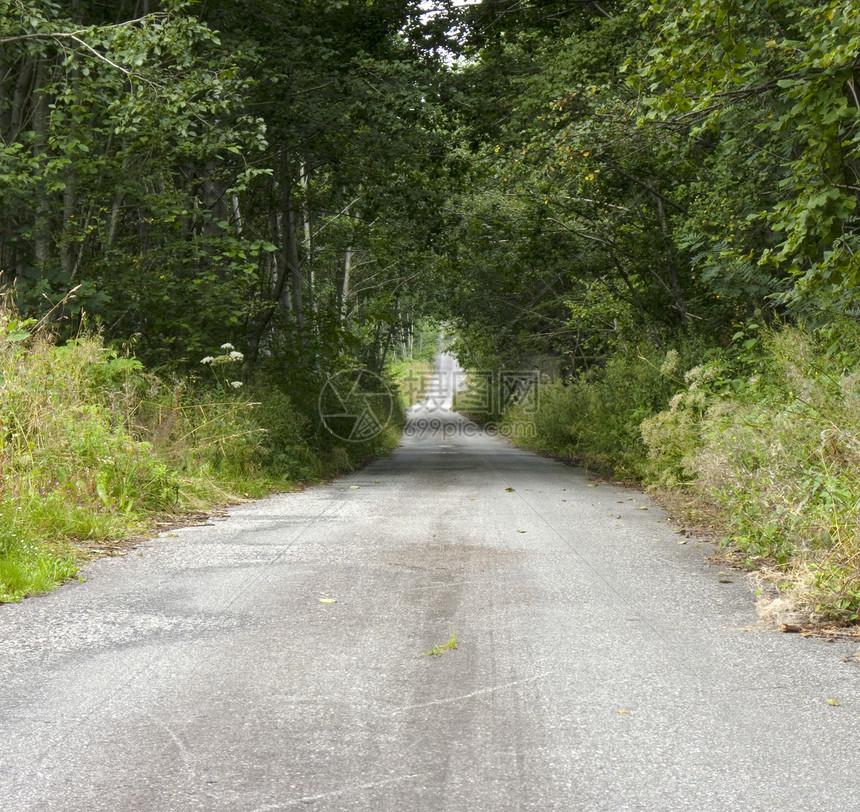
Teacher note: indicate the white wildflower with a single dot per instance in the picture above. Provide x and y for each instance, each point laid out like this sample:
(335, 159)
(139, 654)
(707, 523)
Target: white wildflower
(237, 356)
(235, 384)
(670, 364)
(207, 360)
(227, 346)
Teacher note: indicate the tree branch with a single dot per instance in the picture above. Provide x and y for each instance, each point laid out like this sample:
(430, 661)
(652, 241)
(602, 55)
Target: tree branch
(76, 35)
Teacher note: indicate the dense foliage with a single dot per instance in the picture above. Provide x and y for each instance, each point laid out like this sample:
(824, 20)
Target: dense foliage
(655, 169)
(202, 173)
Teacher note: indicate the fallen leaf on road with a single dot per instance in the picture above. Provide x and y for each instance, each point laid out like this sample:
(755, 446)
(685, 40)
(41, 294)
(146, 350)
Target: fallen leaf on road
(328, 600)
(683, 542)
(623, 711)
(642, 508)
(521, 531)
(509, 490)
(833, 702)
(354, 487)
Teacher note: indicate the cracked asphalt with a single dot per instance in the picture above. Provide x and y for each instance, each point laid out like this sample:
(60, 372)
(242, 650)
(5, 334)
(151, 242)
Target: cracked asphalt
(276, 658)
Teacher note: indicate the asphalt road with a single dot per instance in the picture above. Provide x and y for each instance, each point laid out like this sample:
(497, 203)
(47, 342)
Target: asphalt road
(600, 664)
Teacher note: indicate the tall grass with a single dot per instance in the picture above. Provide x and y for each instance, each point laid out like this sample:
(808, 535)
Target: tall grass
(93, 448)
(594, 419)
(85, 454)
(779, 455)
(764, 434)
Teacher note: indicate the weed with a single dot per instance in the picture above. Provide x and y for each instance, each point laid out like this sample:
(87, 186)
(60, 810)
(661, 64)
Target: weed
(777, 452)
(92, 448)
(595, 417)
(438, 650)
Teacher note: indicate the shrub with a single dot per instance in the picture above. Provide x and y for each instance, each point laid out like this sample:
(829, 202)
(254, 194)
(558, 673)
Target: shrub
(778, 452)
(92, 447)
(595, 417)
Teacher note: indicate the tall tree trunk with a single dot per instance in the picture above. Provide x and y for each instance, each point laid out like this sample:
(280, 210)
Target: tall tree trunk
(237, 215)
(42, 223)
(22, 101)
(273, 272)
(290, 296)
(290, 247)
(344, 288)
(70, 200)
(294, 262)
(674, 284)
(68, 255)
(6, 97)
(305, 179)
(278, 294)
(113, 220)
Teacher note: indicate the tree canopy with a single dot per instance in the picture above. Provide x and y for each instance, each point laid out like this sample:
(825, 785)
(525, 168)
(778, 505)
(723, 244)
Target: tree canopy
(308, 179)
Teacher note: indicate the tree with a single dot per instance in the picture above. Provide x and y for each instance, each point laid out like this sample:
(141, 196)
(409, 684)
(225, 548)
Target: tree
(112, 134)
(773, 86)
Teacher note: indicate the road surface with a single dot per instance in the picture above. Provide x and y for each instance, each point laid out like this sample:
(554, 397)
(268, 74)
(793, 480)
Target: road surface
(276, 659)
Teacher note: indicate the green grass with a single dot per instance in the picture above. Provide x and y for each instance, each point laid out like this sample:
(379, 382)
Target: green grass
(94, 448)
(438, 650)
(594, 419)
(33, 570)
(777, 450)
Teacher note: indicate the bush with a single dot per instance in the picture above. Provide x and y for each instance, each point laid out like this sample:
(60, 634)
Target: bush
(595, 417)
(92, 448)
(778, 452)
(765, 432)
(71, 469)
(673, 437)
(284, 449)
